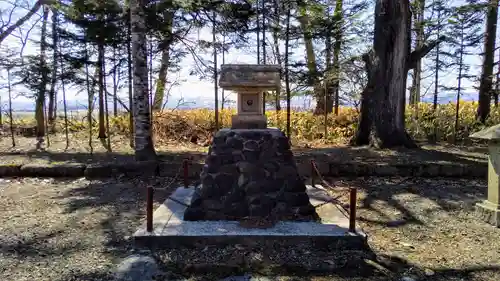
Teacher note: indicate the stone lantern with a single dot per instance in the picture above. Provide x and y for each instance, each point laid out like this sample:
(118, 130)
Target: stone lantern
(489, 210)
(250, 172)
(250, 81)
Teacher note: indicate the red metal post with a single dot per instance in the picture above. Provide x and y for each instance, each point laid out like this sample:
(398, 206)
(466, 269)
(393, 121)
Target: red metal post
(352, 209)
(313, 173)
(186, 173)
(149, 209)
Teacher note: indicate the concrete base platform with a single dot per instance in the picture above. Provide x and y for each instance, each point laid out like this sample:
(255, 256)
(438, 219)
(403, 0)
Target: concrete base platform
(170, 230)
(488, 212)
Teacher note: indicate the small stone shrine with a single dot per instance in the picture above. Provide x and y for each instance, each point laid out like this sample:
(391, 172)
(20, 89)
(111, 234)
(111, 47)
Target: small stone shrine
(489, 209)
(250, 171)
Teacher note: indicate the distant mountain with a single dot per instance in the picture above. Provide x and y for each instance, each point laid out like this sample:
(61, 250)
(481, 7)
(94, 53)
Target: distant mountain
(196, 102)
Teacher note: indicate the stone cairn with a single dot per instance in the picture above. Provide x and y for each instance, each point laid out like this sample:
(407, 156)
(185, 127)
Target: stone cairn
(250, 171)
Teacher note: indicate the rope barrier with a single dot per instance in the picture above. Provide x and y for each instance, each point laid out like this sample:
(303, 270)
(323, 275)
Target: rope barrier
(352, 192)
(151, 189)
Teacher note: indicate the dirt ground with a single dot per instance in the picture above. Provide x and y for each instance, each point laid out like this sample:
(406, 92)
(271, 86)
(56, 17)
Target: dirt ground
(74, 229)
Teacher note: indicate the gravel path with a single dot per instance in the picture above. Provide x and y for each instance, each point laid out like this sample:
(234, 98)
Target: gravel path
(79, 230)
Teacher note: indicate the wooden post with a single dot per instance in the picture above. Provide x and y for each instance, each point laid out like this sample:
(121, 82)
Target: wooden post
(149, 209)
(313, 173)
(186, 173)
(352, 210)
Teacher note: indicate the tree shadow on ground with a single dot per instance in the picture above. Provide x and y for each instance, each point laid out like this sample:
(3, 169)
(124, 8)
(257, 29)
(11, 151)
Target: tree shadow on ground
(38, 247)
(397, 267)
(425, 154)
(449, 195)
(124, 204)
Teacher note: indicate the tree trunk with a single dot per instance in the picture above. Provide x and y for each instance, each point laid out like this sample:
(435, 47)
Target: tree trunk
(130, 78)
(144, 149)
(65, 108)
(52, 93)
(11, 116)
(312, 67)
(276, 32)
(436, 76)
(339, 23)
(497, 84)
(258, 29)
(459, 86)
(40, 99)
(90, 99)
(165, 61)
(162, 80)
(419, 36)
(100, 66)
(381, 122)
(116, 78)
(328, 76)
(485, 87)
(223, 94)
(216, 89)
(264, 55)
(287, 70)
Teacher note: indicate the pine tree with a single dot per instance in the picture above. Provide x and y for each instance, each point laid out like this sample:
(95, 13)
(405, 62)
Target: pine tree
(464, 35)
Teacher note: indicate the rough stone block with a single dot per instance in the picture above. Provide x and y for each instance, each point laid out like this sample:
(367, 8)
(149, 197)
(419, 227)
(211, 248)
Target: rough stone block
(10, 170)
(168, 169)
(53, 170)
(384, 170)
(137, 268)
(476, 171)
(171, 169)
(243, 175)
(137, 169)
(99, 170)
(430, 170)
(404, 170)
(450, 170)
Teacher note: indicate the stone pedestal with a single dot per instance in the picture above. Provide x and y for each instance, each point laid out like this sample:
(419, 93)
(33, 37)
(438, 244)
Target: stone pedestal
(251, 174)
(489, 210)
(248, 122)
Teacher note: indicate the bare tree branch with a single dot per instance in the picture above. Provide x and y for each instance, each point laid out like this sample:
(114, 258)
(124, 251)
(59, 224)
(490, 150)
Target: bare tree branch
(23, 19)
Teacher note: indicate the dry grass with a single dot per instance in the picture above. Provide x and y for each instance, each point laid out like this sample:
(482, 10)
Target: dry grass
(77, 230)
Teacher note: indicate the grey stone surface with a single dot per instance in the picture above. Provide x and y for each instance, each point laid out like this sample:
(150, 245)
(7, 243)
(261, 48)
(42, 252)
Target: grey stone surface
(490, 133)
(137, 268)
(250, 174)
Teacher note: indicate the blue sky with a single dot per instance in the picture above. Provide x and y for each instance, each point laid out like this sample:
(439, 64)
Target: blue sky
(191, 88)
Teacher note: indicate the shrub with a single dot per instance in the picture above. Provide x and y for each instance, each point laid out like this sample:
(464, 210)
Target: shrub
(199, 124)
